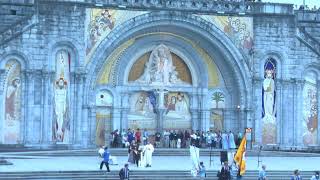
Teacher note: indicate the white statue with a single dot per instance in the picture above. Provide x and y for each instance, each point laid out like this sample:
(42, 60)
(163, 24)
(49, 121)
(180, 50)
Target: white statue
(268, 98)
(159, 70)
(60, 99)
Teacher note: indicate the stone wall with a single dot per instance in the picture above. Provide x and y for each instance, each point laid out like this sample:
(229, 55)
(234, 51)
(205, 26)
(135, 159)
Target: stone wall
(63, 27)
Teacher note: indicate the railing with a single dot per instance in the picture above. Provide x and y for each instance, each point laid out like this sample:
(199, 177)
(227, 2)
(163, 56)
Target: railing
(201, 6)
(308, 15)
(310, 41)
(17, 29)
(17, 2)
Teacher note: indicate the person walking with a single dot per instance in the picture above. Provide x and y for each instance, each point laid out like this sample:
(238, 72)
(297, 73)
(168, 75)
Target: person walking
(124, 172)
(262, 173)
(315, 176)
(296, 175)
(148, 150)
(202, 171)
(106, 156)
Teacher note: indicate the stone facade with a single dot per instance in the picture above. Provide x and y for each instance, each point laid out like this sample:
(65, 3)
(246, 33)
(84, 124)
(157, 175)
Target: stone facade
(205, 48)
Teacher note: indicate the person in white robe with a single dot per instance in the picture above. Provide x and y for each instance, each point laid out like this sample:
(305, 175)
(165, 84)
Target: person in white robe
(148, 150)
(232, 144)
(225, 145)
(195, 159)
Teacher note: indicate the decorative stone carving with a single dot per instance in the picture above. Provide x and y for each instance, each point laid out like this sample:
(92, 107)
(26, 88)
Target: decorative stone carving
(159, 70)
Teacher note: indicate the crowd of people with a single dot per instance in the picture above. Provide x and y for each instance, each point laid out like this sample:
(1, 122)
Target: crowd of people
(141, 145)
(176, 138)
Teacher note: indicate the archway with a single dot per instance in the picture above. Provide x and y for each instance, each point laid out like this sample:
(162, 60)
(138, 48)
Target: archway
(183, 33)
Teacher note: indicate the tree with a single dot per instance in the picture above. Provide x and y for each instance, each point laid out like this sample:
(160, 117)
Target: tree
(218, 97)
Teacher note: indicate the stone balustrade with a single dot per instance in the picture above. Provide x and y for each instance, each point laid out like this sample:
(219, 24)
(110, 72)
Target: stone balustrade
(17, 2)
(308, 15)
(197, 6)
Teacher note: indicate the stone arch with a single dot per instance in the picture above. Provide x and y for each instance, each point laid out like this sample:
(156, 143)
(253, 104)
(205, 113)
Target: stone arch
(19, 56)
(176, 46)
(314, 68)
(65, 44)
(209, 37)
(278, 57)
(309, 104)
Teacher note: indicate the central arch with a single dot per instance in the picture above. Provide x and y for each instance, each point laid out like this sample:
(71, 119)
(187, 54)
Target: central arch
(205, 35)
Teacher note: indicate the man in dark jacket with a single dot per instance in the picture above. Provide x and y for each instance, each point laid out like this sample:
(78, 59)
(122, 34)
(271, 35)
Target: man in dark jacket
(106, 156)
(225, 172)
(124, 172)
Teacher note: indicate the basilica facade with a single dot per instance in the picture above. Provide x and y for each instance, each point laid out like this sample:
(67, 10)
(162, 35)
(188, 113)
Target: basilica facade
(72, 73)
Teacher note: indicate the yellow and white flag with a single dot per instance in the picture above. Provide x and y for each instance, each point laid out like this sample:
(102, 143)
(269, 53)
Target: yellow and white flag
(239, 158)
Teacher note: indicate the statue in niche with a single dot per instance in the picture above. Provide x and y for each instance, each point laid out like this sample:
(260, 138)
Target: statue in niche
(60, 100)
(159, 70)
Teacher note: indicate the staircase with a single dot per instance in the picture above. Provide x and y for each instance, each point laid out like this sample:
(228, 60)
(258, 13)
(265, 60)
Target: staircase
(157, 152)
(16, 17)
(139, 175)
(308, 40)
(309, 29)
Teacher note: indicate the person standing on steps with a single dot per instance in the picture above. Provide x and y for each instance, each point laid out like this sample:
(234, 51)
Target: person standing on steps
(262, 173)
(106, 157)
(124, 172)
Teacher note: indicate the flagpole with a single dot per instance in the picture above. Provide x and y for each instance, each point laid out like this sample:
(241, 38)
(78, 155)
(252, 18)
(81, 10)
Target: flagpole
(239, 169)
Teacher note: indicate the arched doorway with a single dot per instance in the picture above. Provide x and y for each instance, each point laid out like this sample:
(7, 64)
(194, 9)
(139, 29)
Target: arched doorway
(197, 44)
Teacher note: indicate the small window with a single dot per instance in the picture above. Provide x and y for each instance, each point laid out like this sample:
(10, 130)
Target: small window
(13, 12)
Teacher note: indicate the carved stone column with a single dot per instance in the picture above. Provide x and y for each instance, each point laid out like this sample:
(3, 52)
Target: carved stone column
(299, 111)
(78, 123)
(2, 96)
(318, 110)
(45, 77)
(92, 124)
(160, 118)
(124, 110)
(27, 123)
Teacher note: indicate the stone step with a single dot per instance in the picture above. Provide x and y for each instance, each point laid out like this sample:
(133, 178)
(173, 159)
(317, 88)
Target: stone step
(160, 152)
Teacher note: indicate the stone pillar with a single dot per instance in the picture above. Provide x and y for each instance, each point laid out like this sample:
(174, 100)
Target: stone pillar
(50, 108)
(160, 119)
(2, 99)
(92, 124)
(281, 121)
(79, 124)
(85, 127)
(318, 110)
(194, 119)
(27, 104)
(299, 111)
(194, 107)
(116, 119)
(257, 103)
(124, 110)
(44, 119)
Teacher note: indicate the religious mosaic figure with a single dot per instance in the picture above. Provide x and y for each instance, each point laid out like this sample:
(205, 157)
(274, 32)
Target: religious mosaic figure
(310, 111)
(159, 69)
(98, 26)
(12, 106)
(61, 123)
(177, 114)
(268, 104)
(142, 111)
